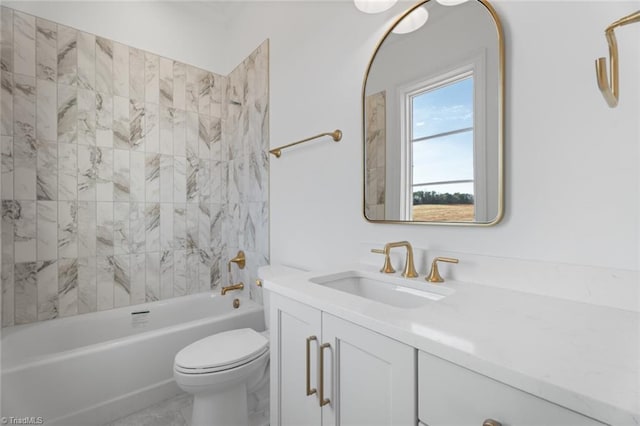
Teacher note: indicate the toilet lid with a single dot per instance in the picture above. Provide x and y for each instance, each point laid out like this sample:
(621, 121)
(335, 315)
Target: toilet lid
(227, 349)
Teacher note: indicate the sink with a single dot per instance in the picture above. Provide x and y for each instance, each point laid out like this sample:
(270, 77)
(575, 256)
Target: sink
(394, 291)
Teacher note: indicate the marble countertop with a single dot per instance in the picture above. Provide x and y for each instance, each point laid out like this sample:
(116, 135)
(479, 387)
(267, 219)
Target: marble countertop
(580, 356)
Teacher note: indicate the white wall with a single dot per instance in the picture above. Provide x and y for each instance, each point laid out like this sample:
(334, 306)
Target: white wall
(185, 31)
(563, 143)
(565, 146)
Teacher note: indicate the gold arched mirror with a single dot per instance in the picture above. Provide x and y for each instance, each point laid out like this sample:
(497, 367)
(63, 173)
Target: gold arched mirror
(433, 117)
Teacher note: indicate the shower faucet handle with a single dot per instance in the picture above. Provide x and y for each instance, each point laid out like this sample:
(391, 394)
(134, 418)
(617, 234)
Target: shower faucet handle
(239, 260)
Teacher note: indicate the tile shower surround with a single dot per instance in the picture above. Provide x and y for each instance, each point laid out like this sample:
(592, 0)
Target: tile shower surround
(127, 177)
(376, 145)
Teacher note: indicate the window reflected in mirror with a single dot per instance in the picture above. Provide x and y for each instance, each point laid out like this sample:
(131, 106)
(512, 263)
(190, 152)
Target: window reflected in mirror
(441, 121)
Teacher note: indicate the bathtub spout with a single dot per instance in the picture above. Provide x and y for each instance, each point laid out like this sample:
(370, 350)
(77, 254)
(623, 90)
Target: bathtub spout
(226, 289)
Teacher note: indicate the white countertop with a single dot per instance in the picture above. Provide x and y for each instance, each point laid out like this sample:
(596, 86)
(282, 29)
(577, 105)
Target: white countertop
(582, 357)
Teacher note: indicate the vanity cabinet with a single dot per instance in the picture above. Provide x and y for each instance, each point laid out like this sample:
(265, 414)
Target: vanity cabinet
(452, 395)
(328, 371)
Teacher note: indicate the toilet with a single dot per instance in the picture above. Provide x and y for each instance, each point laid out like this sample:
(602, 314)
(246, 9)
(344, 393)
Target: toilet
(228, 375)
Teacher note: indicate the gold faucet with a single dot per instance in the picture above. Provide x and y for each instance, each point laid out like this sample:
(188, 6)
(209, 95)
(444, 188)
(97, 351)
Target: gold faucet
(387, 268)
(434, 275)
(409, 267)
(228, 288)
(239, 260)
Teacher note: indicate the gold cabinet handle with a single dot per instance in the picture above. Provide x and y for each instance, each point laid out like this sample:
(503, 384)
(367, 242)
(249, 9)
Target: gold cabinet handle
(323, 401)
(491, 422)
(309, 390)
(259, 282)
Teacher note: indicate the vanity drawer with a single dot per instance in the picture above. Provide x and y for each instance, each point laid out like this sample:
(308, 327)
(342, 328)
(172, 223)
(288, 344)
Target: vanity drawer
(452, 395)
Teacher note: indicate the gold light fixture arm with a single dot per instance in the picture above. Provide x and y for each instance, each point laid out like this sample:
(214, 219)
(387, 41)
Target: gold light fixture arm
(336, 135)
(611, 88)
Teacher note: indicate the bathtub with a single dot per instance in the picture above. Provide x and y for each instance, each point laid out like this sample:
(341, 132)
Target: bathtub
(92, 369)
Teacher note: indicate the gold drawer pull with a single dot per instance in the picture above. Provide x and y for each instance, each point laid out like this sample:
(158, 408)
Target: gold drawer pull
(259, 282)
(491, 422)
(309, 390)
(323, 401)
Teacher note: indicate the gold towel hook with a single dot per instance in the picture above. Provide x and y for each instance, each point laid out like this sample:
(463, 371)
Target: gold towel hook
(610, 89)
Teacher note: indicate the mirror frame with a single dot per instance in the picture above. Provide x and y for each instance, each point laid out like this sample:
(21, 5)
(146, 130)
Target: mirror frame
(501, 123)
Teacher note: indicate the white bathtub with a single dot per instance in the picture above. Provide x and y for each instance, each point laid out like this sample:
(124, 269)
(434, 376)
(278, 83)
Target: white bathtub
(92, 369)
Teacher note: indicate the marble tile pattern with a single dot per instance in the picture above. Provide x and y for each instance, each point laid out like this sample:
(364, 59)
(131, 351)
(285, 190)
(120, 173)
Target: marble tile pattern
(376, 142)
(173, 412)
(127, 177)
(178, 410)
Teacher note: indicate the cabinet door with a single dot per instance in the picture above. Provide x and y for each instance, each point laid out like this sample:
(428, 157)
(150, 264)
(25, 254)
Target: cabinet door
(452, 395)
(291, 324)
(369, 378)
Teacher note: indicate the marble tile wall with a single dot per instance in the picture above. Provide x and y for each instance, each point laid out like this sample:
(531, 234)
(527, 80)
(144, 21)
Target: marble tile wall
(127, 177)
(241, 206)
(376, 144)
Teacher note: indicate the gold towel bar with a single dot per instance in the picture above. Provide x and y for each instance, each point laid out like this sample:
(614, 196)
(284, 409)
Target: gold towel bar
(336, 135)
(610, 89)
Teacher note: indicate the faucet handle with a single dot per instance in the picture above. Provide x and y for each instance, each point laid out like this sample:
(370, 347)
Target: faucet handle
(387, 268)
(239, 260)
(434, 275)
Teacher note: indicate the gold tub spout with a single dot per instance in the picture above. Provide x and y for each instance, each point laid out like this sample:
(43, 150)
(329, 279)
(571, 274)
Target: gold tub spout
(229, 288)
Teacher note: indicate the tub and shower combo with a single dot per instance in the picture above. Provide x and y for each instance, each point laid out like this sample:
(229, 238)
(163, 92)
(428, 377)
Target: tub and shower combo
(92, 369)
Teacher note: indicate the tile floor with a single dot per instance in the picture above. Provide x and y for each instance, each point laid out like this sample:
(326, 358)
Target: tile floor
(174, 412)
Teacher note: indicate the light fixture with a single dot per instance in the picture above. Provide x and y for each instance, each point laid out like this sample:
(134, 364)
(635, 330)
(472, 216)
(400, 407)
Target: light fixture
(374, 6)
(412, 21)
(451, 2)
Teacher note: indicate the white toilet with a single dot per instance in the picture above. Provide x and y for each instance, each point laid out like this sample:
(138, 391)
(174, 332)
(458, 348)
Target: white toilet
(222, 371)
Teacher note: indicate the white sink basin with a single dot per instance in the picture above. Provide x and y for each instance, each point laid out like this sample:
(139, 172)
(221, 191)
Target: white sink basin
(394, 291)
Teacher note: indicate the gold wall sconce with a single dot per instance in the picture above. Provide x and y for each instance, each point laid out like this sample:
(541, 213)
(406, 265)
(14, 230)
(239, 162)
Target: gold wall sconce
(610, 88)
(336, 135)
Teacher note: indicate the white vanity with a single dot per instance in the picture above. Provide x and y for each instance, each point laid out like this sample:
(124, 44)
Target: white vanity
(346, 350)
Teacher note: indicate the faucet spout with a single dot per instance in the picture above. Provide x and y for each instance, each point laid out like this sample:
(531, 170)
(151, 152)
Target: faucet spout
(409, 266)
(229, 288)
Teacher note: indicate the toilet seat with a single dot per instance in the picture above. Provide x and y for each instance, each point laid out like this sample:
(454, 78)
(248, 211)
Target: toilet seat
(222, 351)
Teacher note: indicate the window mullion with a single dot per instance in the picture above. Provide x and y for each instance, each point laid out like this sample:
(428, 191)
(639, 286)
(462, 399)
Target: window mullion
(452, 132)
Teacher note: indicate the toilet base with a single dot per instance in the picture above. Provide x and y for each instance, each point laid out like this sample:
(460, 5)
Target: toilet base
(225, 408)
